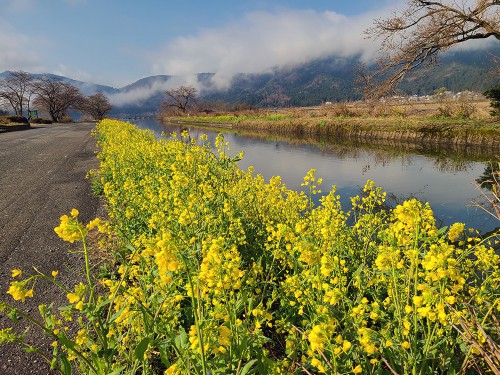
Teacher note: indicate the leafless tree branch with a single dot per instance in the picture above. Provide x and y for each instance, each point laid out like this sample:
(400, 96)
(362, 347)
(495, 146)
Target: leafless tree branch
(415, 36)
(16, 90)
(56, 97)
(180, 97)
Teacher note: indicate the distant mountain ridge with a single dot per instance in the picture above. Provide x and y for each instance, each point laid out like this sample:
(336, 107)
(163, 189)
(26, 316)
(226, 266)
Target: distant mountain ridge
(329, 79)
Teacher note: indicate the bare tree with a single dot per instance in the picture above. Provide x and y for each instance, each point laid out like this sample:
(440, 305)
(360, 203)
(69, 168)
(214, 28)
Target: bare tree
(180, 97)
(16, 91)
(97, 106)
(414, 37)
(56, 97)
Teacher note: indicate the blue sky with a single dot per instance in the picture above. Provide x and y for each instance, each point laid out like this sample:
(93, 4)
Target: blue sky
(116, 42)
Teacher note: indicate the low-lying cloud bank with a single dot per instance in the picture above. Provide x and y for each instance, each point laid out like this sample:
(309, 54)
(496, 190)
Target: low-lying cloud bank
(154, 86)
(263, 40)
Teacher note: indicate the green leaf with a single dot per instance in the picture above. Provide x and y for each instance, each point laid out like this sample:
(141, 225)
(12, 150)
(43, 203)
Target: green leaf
(65, 365)
(104, 303)
(117, 371)
(13, 315)
(64, 340)
(181, 340)
(247, 368)
(141, 349)
(163, 349)
(441, 230)
(116, 315)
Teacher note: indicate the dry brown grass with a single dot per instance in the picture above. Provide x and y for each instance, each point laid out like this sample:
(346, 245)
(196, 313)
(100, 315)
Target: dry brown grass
(474, 109)
(395, 109)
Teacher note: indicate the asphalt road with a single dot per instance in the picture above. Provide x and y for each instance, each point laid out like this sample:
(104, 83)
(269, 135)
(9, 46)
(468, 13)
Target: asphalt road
(42, 176)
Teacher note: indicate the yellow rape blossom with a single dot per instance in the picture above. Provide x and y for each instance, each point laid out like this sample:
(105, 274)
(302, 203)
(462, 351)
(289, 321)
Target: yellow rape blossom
(319, 365)
(346, 345)
(79, 305)
(19, 292)
(16, 272)
(70, 229)
(455, 231)
(357, 370)
(73, 297)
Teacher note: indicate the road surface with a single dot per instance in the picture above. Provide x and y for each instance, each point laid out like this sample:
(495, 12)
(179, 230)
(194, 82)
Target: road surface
(42, 176)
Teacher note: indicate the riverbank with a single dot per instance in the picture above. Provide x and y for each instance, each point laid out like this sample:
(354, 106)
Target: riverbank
(350, 123)
(13, 128)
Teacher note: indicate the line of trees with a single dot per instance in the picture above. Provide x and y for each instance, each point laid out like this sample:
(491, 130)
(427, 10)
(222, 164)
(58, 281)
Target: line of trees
(20, 91)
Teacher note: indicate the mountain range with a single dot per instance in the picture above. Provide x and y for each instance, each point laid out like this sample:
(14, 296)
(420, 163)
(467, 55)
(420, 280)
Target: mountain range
(325, 80)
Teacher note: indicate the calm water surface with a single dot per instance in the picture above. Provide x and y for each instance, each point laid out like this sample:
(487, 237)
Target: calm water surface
(446, 180)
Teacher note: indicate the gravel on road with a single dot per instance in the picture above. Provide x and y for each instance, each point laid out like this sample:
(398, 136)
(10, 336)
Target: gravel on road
(42, 176)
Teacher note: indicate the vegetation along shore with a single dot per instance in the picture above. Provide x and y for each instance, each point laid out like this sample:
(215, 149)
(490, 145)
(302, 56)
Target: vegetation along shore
(453, 122)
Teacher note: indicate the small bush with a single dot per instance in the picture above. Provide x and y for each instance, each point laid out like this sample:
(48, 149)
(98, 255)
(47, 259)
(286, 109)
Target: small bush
(465, 109)
(343, 110)
(459, 109)
(445, 109)
(380, 109)
(66, 119)
(13, 119)
(399, 111)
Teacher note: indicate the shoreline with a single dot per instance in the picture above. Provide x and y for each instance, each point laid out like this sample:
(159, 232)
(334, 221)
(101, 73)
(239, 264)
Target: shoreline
(447, 132)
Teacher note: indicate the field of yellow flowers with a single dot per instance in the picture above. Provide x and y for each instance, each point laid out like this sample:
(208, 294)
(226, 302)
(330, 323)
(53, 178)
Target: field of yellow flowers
(216, 271)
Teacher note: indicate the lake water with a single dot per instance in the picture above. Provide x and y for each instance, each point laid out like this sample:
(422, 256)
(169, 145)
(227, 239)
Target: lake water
(445, 178)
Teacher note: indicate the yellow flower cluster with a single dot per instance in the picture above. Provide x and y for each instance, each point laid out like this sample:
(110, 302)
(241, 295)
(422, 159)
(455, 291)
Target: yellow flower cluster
(18, 291)
(70, 229)
(219, 271)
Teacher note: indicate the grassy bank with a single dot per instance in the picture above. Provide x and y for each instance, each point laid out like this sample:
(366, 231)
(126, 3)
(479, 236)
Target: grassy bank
(406, 123)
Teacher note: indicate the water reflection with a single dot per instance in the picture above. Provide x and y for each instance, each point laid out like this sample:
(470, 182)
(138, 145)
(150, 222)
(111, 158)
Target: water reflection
(490, 181)
(443, 177)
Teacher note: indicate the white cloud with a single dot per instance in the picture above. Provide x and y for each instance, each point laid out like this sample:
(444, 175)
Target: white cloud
(17, 50)
(476, 44)
(262, 40)
(159, 85)
(140, 94)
